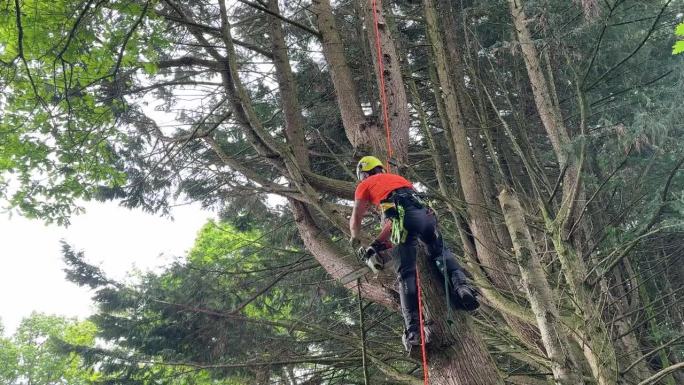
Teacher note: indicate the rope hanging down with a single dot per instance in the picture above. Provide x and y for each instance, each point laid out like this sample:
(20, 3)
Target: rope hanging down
(383, 95)
(385, 118)
(422, 329)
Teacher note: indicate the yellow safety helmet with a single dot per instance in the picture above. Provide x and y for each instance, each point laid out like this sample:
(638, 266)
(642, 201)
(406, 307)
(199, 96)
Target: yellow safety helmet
(365, 165)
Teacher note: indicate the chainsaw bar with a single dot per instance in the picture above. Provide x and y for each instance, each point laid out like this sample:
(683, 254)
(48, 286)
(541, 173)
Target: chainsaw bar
(354, 275)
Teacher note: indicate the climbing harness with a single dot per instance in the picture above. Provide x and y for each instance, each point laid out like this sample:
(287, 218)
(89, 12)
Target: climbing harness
(398, 231)
(400, 225)
(394, 208)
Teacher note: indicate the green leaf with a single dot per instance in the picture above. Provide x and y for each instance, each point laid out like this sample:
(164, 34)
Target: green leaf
(150, 68)
(678, 47)
(680, 30)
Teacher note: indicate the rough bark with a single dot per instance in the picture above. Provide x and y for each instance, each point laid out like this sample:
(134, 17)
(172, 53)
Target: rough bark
(564, 365)
(361, 132)
(457, 354)
(397, 101)
(294, 122)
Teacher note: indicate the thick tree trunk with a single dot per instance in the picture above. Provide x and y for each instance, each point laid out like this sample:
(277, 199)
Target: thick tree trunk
(564, 365)
(548, 111)
(482, 232)
(360, 131)
(456, 66)
(294, 122)
(397, 101)
(457, 355)
(598, 347)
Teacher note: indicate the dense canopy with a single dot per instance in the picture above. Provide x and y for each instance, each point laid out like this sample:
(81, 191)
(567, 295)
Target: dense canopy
(547, 133)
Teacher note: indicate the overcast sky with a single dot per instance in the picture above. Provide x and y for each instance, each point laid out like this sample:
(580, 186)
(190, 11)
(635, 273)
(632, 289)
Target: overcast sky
(31, 276)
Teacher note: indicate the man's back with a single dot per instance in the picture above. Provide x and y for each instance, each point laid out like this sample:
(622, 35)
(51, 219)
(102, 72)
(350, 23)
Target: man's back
(377, 187)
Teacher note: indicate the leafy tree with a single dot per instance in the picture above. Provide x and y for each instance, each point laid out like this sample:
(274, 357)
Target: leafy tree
(242, 308)
(570, 107)
(33, 356)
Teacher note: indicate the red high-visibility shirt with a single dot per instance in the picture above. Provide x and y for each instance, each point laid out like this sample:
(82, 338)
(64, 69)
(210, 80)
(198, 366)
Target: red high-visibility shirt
(377, 187)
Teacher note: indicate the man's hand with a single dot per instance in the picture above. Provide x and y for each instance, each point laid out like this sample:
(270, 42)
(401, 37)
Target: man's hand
(371, 257)
(355, 243)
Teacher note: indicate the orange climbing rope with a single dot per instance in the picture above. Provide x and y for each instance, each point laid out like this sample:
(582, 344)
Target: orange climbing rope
(385, 118)
(383, 95)
(422, 329)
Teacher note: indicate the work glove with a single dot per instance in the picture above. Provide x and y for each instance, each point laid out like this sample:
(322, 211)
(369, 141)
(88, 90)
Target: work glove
(371, 257)
(355, 243)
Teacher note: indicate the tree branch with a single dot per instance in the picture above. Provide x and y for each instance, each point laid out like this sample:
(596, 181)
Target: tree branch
(638, 47)
(662, 373)
(20, 53)
(656, 350)
(188, 61)
(128, 37)
(281, 17)
(215, 32)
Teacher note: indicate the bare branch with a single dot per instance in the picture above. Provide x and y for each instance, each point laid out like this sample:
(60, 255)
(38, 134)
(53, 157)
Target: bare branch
(656, 350)
(128, 37)
(654, 378)
(190, 61)
(281, 17)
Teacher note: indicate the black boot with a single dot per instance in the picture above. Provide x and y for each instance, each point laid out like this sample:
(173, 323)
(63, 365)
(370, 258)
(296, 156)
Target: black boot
(464, 294)
(408, 297)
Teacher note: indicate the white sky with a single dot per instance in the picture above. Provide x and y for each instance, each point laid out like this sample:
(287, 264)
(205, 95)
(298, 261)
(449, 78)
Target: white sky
(116, 238)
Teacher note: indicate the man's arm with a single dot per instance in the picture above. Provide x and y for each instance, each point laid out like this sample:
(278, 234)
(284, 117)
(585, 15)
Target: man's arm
(385, 233)
(360, 208)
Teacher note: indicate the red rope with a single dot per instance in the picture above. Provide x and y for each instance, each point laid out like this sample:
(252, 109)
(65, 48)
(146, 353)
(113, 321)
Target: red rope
(383, 95)
(422, 329)
(385, 118)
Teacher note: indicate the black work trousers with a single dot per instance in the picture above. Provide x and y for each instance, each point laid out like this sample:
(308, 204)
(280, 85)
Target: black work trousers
(420, 223)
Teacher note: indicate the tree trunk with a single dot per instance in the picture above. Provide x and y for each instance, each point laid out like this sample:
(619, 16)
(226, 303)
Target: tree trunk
(397, 101)
(360, 132)
(457, 355)
(482, 228)
(598, 347)
(294, 122)
(564, 365)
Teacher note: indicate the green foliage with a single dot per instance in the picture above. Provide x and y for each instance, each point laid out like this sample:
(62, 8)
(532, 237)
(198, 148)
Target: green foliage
(33, 355)
(59, 119)
(239, 297)
(82, 120)
(679, 45)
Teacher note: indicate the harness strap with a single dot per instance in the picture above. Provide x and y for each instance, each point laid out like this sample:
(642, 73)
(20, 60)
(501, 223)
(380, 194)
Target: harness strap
(399, 232)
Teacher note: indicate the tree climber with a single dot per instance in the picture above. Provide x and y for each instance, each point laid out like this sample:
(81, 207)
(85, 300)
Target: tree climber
(405, 219)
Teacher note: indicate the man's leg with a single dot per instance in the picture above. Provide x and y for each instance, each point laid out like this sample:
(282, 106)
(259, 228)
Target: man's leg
(408, 291)
(441, 255)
